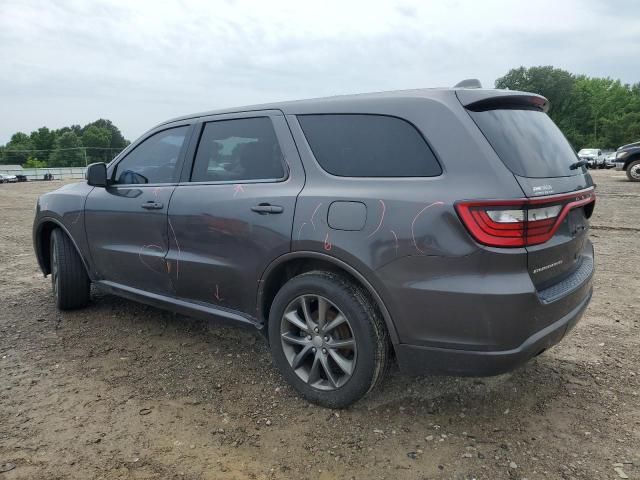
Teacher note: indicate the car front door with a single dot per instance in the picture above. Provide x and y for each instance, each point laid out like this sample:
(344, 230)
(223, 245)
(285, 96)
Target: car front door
(126, 222)
(233, 214)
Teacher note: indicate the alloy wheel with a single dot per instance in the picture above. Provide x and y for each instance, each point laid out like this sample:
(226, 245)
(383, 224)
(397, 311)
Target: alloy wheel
(318, 342)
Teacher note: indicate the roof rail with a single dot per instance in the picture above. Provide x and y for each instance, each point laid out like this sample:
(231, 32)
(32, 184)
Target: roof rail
(468, 83)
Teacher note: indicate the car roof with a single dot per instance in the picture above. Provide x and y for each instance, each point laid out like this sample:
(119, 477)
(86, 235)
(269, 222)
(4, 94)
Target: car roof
(356, 102)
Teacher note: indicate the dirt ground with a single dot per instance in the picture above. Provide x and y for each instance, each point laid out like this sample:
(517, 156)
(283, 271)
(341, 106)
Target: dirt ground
(125, 391)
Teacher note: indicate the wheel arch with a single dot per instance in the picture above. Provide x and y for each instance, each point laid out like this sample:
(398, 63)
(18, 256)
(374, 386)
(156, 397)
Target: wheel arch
(631, 167)
(42, 244)
(291, 264)
(632, 158)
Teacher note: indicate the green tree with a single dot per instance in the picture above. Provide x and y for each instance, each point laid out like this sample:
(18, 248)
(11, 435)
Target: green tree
(102, 137)
(43, 140)
(591, 112)
(117, 141)
(34, 163)
(68, 151)
(17, 149)
(97, 141)
(77, 129)
(553, 83)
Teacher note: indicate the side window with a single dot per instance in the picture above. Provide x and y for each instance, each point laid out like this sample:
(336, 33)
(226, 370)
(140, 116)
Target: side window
(351, 145)
(237, 150)
(154, 160)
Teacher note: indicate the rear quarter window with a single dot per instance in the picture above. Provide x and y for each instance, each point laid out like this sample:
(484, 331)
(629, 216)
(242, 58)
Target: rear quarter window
(355, 145)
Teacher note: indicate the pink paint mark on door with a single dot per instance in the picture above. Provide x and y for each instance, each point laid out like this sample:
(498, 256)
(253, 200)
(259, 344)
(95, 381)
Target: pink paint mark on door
(237, 189)
(327, 242)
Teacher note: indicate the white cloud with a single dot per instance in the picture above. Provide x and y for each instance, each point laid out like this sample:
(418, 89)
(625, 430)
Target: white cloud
(140, 62)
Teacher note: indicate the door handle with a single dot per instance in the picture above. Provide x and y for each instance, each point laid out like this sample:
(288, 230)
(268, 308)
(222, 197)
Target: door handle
(151, 205)
(266, 208)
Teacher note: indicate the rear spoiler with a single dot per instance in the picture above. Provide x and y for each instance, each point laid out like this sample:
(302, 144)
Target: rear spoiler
(481, 100)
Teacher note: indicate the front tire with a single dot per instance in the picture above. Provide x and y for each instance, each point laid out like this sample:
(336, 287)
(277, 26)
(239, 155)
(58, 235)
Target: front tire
(633, 171)
(69, 280)
(327, 339)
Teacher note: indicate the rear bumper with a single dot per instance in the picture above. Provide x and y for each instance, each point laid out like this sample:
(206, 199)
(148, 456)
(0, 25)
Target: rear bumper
(416, 360)
(480, 314)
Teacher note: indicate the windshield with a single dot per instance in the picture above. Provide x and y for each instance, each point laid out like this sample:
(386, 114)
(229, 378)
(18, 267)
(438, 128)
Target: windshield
(527, 142)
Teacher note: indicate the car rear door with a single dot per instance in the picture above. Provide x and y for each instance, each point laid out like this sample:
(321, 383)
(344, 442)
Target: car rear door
(126, 222)
(232, 213)
(543, 162)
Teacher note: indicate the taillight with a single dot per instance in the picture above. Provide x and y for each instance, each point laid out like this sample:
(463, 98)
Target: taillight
(520, 222)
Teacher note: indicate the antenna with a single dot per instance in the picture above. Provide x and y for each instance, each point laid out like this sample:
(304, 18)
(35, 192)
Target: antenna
(468, 83)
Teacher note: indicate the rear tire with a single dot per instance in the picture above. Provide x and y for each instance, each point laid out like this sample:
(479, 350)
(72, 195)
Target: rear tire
(69, 280)
(332, 358)
(633, 171)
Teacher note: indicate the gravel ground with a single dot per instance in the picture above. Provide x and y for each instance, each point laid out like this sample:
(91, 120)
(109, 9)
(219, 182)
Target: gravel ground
(121, 390)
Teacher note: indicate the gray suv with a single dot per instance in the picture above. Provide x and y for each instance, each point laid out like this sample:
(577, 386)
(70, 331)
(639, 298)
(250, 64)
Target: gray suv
(445, 229)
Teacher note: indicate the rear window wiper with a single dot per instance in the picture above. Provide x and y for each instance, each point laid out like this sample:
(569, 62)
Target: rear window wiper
(578, 164)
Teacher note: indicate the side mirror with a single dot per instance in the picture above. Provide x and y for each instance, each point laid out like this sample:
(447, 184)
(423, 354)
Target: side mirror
(97, 175)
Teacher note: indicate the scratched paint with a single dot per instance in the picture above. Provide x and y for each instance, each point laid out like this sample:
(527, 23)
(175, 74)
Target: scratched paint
(396, 240)
(217, 294)
(413, 235)
(237, 188)
(300, 230)
(144, 248)
(179, 256)
(327, 243)
(313, 215)
(384, 209)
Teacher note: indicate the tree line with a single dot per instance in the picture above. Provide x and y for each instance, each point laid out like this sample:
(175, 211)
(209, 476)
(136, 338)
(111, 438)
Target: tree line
(72, 146)
(591, 112)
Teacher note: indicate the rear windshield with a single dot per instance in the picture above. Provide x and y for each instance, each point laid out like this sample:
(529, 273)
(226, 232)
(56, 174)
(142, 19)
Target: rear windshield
(528, 142)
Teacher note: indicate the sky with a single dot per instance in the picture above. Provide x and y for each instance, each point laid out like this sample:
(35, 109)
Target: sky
(138, 63)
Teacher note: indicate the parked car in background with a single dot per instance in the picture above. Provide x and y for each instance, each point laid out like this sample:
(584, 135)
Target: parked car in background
(592, 156)
(445, 228)
(628, 160)
(610, 160)
(21, 178)
(4, 178)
